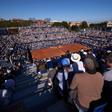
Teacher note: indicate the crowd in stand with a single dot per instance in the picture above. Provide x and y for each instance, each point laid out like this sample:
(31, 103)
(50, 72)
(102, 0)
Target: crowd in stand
(10, 67)
(42, 37)
(81, 77)
(96, 39)
(50, 36)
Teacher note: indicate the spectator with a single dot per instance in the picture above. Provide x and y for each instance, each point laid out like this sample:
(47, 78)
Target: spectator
(51, 74)
(86, 87)
(108, 74)
(62, 76)
(107, 90)
(2, 78)
(9, 84)
(5, 97)
(77, 64)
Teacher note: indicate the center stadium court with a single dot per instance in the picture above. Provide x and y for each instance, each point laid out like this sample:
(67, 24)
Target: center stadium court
(57, 51)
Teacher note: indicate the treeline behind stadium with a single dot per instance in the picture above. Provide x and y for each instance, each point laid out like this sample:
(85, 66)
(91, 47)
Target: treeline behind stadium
(15, 23)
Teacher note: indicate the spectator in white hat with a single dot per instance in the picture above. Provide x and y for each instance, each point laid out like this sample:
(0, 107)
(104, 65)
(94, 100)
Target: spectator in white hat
(77, 64)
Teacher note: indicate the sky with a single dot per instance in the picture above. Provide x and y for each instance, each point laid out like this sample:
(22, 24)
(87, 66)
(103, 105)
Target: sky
(67, 10)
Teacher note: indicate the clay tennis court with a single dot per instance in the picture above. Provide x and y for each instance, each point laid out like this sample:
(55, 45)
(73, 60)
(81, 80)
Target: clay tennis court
(56, 51)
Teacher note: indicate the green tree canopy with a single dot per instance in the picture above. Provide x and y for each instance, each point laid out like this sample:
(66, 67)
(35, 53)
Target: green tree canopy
(74, 28)
(102, 25)
(61, 24)
(84, 25)
(20, 23)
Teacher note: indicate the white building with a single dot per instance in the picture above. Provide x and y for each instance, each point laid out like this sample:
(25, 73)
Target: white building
(109, 24)
(75, 23)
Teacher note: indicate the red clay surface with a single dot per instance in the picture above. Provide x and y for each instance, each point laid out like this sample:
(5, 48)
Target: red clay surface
(73, 47)
(56, 51)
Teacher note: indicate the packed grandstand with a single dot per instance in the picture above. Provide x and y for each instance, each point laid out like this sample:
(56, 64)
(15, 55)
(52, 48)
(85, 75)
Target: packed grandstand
(41, 67)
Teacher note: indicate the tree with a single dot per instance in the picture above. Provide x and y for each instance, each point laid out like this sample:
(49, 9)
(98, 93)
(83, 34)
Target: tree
(57, 24)
(61, 24)
(102, 25)
(84, 25)
(74, 28)
(65, 24)
(14, 23)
